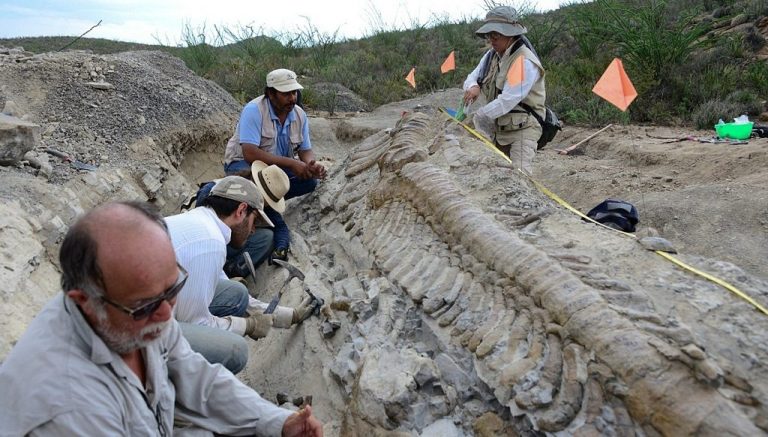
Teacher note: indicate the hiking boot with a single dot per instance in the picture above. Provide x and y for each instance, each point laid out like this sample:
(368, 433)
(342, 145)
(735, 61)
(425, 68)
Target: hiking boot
(236, 268)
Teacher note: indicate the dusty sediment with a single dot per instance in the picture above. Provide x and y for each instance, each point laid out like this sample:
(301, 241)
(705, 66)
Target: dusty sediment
(468, 302)
(567, 351)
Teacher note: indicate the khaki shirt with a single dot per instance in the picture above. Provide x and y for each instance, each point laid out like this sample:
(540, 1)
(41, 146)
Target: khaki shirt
(516, 125)
(62, 379)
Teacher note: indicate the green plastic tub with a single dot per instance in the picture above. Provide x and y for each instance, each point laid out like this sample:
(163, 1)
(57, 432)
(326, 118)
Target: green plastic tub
(740, 131)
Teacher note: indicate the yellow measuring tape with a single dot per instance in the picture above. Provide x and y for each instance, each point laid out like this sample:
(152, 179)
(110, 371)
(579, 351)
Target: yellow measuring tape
(565, 204)
(716, 280)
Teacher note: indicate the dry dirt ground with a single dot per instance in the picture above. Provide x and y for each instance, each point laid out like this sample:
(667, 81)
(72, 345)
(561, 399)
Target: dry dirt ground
(707, 199)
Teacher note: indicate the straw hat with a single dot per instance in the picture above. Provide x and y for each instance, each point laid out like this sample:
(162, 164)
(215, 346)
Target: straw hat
(272, 182)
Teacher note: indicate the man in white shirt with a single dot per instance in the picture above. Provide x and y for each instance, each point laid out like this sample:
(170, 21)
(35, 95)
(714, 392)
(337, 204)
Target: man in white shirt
(105, 357)
(215, 311)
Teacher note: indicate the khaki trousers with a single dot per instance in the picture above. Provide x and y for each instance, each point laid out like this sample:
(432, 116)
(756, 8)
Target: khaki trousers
(522, 151)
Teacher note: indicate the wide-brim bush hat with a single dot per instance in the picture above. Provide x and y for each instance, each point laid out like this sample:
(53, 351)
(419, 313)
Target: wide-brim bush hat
(501, 19)
(272, 182)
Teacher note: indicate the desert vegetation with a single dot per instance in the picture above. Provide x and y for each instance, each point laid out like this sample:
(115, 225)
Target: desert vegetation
(692, 61)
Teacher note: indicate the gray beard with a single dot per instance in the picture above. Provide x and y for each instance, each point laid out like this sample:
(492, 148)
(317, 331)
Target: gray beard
(119, 341)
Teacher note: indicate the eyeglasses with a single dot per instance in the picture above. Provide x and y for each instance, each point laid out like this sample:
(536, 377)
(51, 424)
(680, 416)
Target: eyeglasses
(256, 215)
(493, 36)
(149, 308)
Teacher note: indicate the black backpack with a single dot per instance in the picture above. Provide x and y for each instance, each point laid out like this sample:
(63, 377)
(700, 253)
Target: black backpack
(550, 125)
(616, 214)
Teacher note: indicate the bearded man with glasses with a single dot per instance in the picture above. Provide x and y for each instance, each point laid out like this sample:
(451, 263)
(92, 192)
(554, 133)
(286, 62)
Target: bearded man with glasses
(106, 357)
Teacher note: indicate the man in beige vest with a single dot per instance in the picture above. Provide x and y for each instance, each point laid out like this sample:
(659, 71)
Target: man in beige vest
(274, 130)
(506, 117)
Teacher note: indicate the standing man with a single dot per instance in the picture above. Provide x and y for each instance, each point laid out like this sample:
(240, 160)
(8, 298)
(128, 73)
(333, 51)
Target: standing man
(507, 118)
(218, 312)
(274, 130)
(105, 357)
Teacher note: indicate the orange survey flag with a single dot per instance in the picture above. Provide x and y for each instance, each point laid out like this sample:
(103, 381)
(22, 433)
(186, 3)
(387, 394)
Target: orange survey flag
(516, 73)
(449, 63)
(615, 87)
(411, 78)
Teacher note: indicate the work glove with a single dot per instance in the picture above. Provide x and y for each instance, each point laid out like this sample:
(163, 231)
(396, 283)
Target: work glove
(483, 124)
(258, 325)
(279, 253)
(305, 309)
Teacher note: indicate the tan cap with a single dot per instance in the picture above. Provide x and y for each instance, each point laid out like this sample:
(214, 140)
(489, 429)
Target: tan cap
(243, 190)
(272, 182)
(283, 80)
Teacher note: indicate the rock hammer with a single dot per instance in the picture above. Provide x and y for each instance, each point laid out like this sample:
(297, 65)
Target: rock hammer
(293, 272)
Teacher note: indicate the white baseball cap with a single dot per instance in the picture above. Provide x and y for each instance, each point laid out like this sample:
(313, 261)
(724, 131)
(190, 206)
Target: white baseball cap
(283, 80)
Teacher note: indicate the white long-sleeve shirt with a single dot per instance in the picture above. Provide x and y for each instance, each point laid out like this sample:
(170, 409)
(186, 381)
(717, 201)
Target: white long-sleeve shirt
(510, 96)
(200, 241)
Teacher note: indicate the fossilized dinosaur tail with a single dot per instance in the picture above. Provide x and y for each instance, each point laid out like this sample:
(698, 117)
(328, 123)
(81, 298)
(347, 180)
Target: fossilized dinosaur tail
(556, 339)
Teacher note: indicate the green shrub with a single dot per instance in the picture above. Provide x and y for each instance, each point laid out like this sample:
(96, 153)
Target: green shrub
(707, 114)
(680, 73)
(545, 33)
(733, 105)
(199, 55)
(642, 34)
(756, 77)
(756, 8)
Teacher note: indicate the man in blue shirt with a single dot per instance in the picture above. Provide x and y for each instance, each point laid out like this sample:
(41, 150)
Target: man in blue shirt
(273, 129)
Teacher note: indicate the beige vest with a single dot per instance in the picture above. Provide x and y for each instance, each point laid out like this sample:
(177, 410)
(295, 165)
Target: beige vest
(508, 126)
(234, 151)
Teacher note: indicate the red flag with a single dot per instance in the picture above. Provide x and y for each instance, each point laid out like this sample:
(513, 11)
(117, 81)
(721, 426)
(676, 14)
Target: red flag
(411, 78)
(615, 87)
(516, 73)
(449, 64)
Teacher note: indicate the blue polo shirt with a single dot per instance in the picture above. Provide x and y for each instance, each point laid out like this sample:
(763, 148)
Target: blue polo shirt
(250, 129)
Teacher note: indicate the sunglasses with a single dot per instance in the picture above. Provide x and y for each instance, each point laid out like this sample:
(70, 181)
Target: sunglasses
(149, 308)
